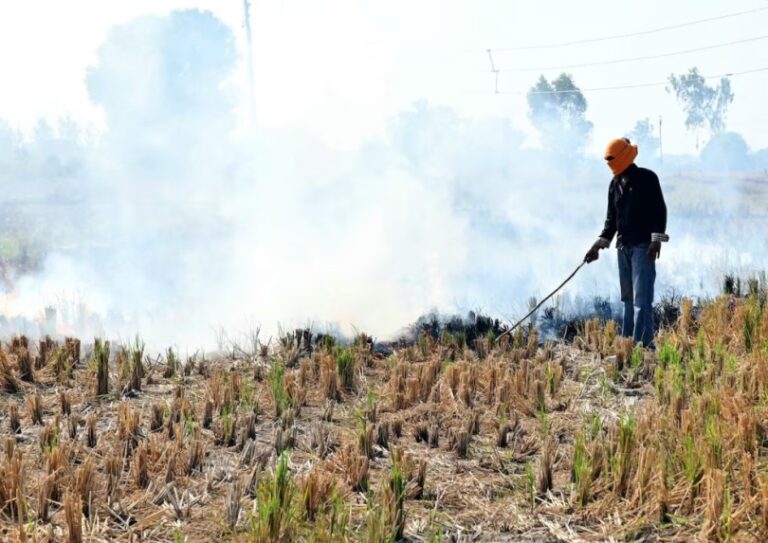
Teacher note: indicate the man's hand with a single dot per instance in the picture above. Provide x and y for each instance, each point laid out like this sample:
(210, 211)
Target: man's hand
(593, 254)
(654, 251)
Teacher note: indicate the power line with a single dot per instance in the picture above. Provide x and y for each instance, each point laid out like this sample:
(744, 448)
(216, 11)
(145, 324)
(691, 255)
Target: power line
(634, 59)
(632, 86)
(631, 34)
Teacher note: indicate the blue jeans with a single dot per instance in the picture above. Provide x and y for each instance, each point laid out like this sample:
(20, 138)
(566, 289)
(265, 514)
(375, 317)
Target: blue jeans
(637, 275)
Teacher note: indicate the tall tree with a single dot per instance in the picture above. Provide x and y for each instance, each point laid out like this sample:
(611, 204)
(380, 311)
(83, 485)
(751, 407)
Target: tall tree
(161, 81)
(644, 134)
(705, 106)
(557, 109)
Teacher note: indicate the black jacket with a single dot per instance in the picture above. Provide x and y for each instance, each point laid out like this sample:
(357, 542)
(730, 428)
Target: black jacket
(636, 207)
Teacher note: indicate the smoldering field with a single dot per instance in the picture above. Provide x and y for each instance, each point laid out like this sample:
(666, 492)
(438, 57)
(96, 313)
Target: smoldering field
(175, 223)
(462, 436)
(174, 220)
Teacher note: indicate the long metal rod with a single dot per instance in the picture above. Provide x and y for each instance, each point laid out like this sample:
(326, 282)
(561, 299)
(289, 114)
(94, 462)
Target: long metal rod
(532, 311)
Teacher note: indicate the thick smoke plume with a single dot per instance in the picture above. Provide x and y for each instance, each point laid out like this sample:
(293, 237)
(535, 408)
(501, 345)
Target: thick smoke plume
(172, 222)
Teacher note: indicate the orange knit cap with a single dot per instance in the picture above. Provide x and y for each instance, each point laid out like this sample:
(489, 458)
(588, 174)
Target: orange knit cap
(620, 154)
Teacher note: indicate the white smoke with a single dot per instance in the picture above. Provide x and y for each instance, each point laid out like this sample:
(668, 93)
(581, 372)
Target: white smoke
(177, 223)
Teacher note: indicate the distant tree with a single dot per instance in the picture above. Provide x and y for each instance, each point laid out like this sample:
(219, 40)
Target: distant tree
(760, 160)
(727, 151)
(10, 145)
(705, 106)
(53, 152)
(161, 81)
(433, 136)
(557, 109)
(643, 134)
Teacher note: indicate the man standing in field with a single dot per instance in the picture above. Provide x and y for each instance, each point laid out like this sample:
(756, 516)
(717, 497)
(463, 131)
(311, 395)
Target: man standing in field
(637, 215)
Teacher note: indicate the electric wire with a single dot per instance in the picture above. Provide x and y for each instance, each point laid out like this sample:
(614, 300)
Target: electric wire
(631, 34)
(630, 86)
(634, 59)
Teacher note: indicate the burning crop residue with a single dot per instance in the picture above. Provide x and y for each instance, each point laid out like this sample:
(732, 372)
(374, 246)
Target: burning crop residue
(452, 435)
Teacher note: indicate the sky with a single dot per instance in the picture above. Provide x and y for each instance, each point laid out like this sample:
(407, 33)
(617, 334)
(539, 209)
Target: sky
(340, 71)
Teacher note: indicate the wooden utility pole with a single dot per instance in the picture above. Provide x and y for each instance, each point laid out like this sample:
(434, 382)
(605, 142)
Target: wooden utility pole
(249, 50)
